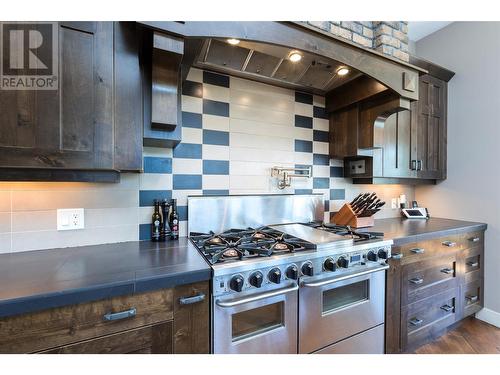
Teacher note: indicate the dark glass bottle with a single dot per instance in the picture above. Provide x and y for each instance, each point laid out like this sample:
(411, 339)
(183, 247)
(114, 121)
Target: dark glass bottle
(156, 223)
(165, 230)
(174, 221)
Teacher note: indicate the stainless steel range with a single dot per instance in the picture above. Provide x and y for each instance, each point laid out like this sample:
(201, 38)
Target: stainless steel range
(293, 285)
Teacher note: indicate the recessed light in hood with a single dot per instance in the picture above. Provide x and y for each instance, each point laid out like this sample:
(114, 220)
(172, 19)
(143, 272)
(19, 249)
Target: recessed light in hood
(342, 71)
(233, 41)
(295, 56)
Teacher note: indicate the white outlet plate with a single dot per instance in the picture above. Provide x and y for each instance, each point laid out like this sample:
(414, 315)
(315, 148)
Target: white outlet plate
(70, 219)
(394, 203)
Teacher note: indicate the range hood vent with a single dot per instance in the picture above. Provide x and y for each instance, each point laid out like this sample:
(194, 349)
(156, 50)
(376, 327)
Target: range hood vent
(270, 64)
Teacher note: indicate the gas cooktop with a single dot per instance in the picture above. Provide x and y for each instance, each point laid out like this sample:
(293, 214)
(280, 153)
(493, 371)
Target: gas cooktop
(241, 244)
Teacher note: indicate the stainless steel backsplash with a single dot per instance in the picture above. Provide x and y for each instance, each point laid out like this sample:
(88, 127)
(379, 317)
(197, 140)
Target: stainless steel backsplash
(211, 213)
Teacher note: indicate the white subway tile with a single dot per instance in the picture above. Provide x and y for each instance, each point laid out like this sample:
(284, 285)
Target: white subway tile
(281, 103)
(321, 148)
(217, 93)
(319, 101)
(261, 128)
(303, 158)
(5, 243)
(321, 171)
(192, 135)
(249, 182)
(259, 88)
(187, 166)
(192, 104)
(261, 142)
(213, 152)
(303, 109)
(259, 155)
(217, 182)
(157, 151)
(155, 181)
(321, 124)
(216, 123)
(181, 195)
(303, 133)
(195, 75)
(258, 114)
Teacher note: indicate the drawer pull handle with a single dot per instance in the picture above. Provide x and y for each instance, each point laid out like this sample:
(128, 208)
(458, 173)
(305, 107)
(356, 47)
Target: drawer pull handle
(447, 270)
(472, 299)
(473, 264)
(447, 308)
(449, 243)
(417, 280)
(191, 300)
(397, 255)
(418, 250)
(120, 315)
(416, 321)
(474, 239)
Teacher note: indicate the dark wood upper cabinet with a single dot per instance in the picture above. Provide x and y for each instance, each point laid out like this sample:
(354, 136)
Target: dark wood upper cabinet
(430, 128)
(396, 142)
(71, 127)
(92, 124)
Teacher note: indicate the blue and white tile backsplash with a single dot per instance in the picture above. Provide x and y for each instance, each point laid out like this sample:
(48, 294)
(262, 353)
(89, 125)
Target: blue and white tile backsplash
(234, 131)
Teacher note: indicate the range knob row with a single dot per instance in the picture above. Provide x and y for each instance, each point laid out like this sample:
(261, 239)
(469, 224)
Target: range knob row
(343, 262)
(307, 269)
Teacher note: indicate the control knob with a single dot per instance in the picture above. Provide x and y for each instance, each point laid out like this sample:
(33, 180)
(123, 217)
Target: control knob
(292, 272)
(307, 269)
(343, 262)
(256, 279)
(236, 283)
(330, 265)
(275, 275)
(371, 256)
(382, 253)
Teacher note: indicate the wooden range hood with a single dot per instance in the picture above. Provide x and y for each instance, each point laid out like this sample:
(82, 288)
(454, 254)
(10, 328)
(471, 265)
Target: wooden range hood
(316, 46)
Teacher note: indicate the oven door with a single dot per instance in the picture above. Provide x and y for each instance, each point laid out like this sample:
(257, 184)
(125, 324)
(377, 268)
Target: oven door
(259, 323)
(332, 309)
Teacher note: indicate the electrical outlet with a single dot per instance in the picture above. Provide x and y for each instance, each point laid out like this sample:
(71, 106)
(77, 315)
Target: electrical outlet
(394, 203)
(70, 219)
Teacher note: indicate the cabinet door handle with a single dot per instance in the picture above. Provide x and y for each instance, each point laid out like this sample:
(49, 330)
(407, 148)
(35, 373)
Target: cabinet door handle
(417, 280)
(416, 321)
(472, 299)
(419, 165)
(397, 255)
(449, 243)
(413, 165)
(120, 315)
(447, 308)
(473, 264)
(191, 300)
(447, 270)
(474, 239)
(418, 250)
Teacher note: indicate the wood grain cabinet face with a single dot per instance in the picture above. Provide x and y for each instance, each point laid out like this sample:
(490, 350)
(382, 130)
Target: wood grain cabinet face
(431, 285)
(71, 127)
(174, 320)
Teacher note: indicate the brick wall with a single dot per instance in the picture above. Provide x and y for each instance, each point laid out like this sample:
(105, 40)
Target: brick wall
(388, 37)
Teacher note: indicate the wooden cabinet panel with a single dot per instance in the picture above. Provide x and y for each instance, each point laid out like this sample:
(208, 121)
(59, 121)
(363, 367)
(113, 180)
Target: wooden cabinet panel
(430, 285)
(192, 319)
(70, 127)
(154, 339)
(429, 115)
(427, 319)
(70, 324)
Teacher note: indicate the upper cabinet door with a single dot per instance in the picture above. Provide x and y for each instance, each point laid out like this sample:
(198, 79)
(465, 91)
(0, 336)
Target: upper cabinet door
(430, 129)
(397, 146)
(71, 127)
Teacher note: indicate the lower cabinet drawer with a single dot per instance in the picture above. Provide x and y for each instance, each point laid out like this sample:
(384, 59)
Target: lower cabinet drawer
(423, 279)
(471, 295)
(154, 339)
(426, 319)
(39, 331)
(368, 342)
(472, 264)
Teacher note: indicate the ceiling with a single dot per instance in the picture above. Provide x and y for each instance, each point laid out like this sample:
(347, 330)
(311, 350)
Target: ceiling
(420, 29)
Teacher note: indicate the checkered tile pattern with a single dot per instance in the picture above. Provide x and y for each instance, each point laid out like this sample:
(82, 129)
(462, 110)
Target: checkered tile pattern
(234, 131)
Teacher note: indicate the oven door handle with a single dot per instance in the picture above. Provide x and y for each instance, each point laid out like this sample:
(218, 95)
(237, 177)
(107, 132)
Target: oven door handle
(344, 277)
(257, 297)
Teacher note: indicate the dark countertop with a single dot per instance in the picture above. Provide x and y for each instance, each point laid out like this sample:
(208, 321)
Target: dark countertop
(42, 279)
(402, 230)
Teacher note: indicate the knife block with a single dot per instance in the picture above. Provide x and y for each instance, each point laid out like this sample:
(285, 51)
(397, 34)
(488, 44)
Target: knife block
(346, 216)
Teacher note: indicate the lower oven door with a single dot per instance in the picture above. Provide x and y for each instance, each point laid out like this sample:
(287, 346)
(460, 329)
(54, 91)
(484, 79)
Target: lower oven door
(259, 323)
(333, 309)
